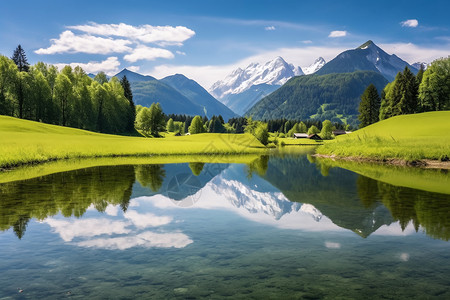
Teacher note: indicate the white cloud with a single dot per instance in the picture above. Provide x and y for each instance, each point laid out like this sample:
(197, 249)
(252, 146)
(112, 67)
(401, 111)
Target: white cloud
(68, 42)
(413, 53)
(270, 28)
(110, 66)
(410, 23)
(146, 239)
(148, 53)
(163, 35)
(180, 53)
(68, 230)
(337, 33)
(307, 42)
(146, 220)
(112, 210)
(134, 68)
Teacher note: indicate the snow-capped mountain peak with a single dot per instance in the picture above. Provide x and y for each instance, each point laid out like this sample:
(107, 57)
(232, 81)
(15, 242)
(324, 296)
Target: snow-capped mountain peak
(274, 72)
(315, 66)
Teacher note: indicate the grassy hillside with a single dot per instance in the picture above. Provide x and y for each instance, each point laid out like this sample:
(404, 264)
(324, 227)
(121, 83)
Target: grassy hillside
(409, 137)
(25, 142)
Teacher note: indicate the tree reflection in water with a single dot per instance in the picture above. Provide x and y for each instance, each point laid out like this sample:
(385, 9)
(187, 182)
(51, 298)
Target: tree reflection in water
(351, 201)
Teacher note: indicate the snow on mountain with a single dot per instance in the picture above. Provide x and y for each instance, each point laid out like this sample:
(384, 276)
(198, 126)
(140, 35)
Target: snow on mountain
(315, 66)
(260, 198)
(275, 72)
(417, 65)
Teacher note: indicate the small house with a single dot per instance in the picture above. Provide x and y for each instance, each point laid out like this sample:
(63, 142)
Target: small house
(300, 136)
(314, 136)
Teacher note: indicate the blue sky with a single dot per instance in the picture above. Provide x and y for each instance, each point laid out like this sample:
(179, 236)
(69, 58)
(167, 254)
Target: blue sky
(205, 40)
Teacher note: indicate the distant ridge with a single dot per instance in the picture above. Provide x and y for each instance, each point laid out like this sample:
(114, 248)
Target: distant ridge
(367, 57)
(177, 94)
(198, 95)
(133, 76)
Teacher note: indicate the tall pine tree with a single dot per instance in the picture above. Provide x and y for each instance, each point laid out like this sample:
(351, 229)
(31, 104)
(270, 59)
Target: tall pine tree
(129, 95)
(400, 96)
(20, 59)
(369, 107)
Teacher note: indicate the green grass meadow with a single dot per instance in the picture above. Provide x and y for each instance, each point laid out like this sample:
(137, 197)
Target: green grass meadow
(407, 137)
(26, 142)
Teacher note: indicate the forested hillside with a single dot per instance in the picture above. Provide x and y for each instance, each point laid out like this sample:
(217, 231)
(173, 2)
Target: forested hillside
(334, 97)
(68, 97)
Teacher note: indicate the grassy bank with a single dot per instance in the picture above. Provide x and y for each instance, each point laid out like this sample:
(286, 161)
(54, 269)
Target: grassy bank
(407, 137)
(428, 180)
(27, 142)
(28, 172)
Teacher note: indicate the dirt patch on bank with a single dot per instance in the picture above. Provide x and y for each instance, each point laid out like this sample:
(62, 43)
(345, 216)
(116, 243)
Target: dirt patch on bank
(423, 163)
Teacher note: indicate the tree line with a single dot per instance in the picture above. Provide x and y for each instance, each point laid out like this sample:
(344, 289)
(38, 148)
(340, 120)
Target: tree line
(429, 90)
(68, 97)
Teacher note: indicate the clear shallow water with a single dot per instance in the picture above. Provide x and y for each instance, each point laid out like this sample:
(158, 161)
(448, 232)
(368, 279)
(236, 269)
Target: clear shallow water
(277, 228)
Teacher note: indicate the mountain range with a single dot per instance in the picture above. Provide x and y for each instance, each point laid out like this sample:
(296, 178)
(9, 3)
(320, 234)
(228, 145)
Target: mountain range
(277, 89)
(177, 94)
(243, 88)
(333, 92)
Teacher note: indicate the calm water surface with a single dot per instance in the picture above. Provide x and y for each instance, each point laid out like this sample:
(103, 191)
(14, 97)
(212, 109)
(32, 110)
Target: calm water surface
(281, 227)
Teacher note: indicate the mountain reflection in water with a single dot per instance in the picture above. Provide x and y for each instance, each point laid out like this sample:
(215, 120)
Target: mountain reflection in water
(286, 191)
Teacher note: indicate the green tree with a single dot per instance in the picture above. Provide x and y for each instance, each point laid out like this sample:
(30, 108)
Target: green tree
(303, 128)
(327, 130)
(99, 97)
(400, 96)
(196, 125)
(143, 120)
(63, 92)
(20, 91)
(158, 122)
(101, 78)
(369, 107)
(408, 102)
(170, 125)
(151, 120)
(41, 97)
(20, 59)
(295, 129)
(8, 74)
(262, 133)
(313, 130)
(215, 125)
(151, 176)
(434, 90)
(251, 125)
(129, 95)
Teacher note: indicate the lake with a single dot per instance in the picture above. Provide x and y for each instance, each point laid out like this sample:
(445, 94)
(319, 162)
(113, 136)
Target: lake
(283, 226)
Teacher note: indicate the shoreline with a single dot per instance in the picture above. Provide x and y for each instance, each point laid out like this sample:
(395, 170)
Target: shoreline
(4, 169)
(422, 163)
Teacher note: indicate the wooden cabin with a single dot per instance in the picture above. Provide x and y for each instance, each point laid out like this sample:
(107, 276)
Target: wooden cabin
(314, 136)
(300, 136)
